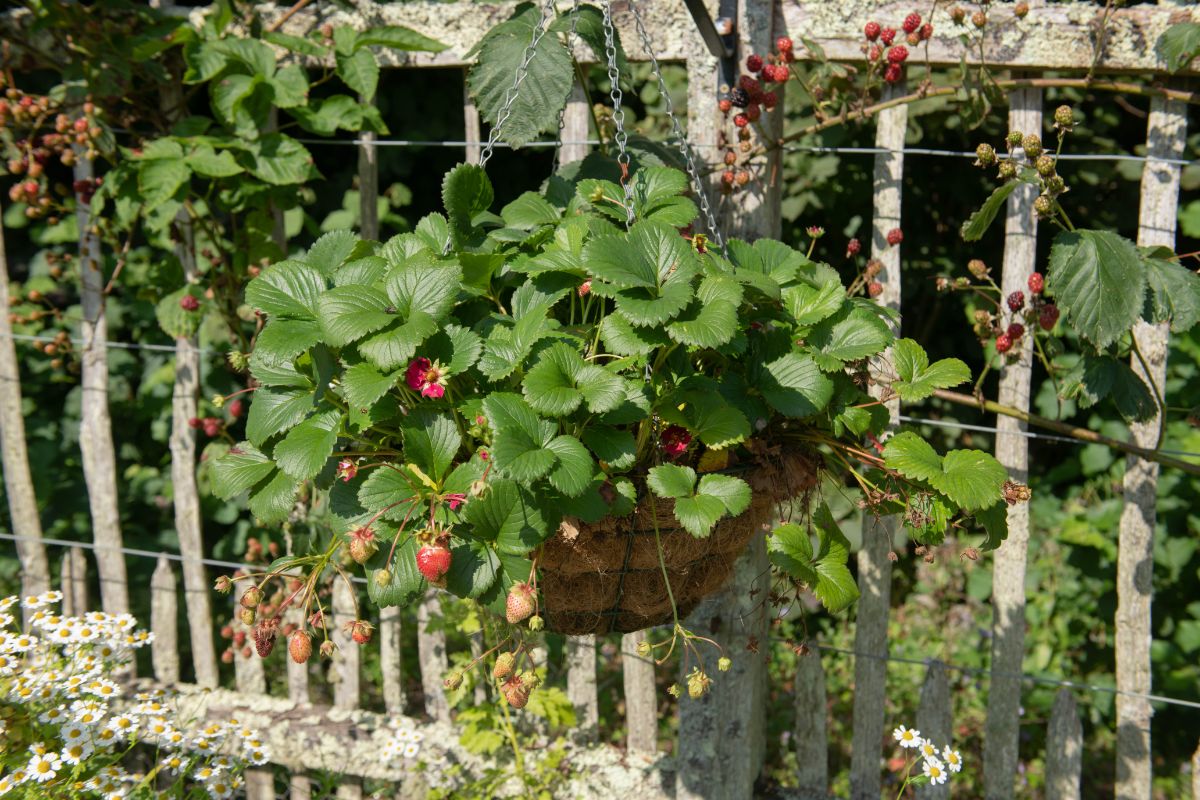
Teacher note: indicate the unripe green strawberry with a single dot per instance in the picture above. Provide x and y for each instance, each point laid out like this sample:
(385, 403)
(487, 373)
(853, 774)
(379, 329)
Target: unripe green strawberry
(516, 692)
(504, 666)
(519, 604)
(453, 681)
(362, 546)
(247, 616)
(252, 597)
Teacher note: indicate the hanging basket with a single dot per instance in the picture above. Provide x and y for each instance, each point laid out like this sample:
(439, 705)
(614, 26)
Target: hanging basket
(606, 576)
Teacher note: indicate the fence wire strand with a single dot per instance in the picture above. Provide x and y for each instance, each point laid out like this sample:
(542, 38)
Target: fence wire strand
(977, 671)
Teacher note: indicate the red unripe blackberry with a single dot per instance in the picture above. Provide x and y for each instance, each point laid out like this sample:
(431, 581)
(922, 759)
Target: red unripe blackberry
(874, 53)
(1036, 283)
(725, 105)
(925, 32)
(894, 73)
(1048, 317)
(750, 85)
(741, 120)
(1016, 301)
(911, 23)
(874, 288)
(727, 177)
(754, 62)
(887, 35)
(853, 247)
(769, 100)
(194, 422)
(1015, 331)
(872, 30)
(753, 112)
(783, 44)
(1003, 343)
(897, 54)
(235, 408)
(189, 302)
(895, 236)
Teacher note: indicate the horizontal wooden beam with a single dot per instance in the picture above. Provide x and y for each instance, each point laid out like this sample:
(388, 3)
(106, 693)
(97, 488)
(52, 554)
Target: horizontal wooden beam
(349, 742)
(1059, 36)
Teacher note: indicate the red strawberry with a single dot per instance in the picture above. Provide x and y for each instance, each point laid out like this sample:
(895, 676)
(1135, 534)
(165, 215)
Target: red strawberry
(236, 407)
(194, 422)
(519, 605)
(300, 646)
(1037, 283)
(433, 560)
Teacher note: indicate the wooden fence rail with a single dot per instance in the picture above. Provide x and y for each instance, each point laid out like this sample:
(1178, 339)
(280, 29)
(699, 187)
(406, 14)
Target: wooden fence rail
(721, 744)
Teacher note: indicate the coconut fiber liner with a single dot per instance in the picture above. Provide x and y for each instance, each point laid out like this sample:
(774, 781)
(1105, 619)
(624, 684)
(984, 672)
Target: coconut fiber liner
(605, 576)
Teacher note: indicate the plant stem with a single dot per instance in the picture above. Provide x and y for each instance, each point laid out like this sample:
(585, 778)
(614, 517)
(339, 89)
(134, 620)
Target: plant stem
(1082, 434)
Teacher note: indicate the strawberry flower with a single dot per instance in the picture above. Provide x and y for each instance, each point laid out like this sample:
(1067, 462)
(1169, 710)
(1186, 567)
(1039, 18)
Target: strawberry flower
(675, 440)
(346, 470)
(454, 500)
(426, 377)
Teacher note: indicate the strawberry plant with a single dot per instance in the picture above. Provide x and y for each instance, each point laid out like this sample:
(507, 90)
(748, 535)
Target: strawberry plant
(460, 398)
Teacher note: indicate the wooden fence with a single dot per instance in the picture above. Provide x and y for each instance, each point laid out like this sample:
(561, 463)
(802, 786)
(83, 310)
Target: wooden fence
(721, 739)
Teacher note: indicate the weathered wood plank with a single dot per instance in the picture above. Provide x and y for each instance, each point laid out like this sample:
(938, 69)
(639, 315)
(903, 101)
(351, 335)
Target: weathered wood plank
(874, 565)
(95, 426)
(581, 686)
(641, 703)
(1165, 136)
(74, 582)
(934, 720)
(164, 622)
(368, 186)
(344, 671)
(810, 730)
(391, 659)
(299, 785)
(1000, 751)
(577, 123)
(250, 679)
(1055, 36)
(722, 738)
(431, 653)
(1064, 749)
(472, 129)
(18, 481)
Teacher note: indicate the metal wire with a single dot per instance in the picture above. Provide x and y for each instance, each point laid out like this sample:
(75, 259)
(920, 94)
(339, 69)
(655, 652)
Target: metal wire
(824, 647)
(677, 129)
(539, 30)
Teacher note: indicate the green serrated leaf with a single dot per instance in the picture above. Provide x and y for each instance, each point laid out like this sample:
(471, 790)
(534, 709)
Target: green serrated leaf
(1173, 294)
(307, 446)
(811, 304)
(405, 583)
(274, 412)
(614, 447)
(331, 251)
(734, 493)
(971, 479)
(919, 379)
(398, 37)
(508, 516)
(672, 480)
(979, 221)
(360, 71)
(284, 339)
(348, 313)
(287, 289)
(575, 467)
(850, 334)
(1099, 279)
(623, 338)
(238, 470)
(520, 446)
(794, 385)
(431, 441)
(1179, 45)
(474, 567)
(466, 191)
(272, 500)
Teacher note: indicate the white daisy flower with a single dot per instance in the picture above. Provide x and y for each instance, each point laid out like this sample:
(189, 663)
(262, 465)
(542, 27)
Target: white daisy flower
(104, 737)
(6, 619)
(907, 737)
(76, 752)
(6, 785)
(122, 724)
(220, 788)
(43, 768)
(935, 770)
(74, 733)
(51, 597)
(52, 715)
(21, 643)
(928, 749)
(411, 749)
(8, 602)
(171, 764)
(953, 759)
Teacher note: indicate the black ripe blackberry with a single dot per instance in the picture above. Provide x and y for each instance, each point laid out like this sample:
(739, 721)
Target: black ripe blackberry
(739, 97)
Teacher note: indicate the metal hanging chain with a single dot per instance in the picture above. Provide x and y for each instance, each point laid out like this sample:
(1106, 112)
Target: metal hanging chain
(677, 129)
(562, 112)
(539, 30)
(614, 77)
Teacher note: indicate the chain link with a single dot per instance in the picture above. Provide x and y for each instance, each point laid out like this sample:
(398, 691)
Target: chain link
(562, 112)
(614, 77)
(677, 130)
(539, 30)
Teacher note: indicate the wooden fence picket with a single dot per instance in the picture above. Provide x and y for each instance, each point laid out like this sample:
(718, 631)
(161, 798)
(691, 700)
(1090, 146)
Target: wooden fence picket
(345, 669)
(1166, 132)
(874, 565)
(299, 785)
(164, 622)
(1000, 750)
(641, 697)
(934, 720)
(95, 426)
(74, 582)
(250, 679)
(1064, 749)
(810, 730)
(18, 481)
(431, 653)
(581, 685)
(472, 129)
